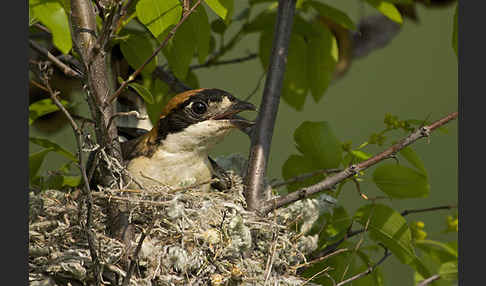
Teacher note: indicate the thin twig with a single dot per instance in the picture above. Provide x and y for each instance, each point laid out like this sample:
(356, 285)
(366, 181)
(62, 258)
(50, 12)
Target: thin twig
(128, 113)
(86, 190)
(173, 82)
(122, 14)
(303, 177)
(319, 259)
(134, 258)
(429, 280)
(330, 181)
(315, 275)
(367, 271)
(262, 137)
(225, 62)
(406, 212)
(259, 82)
(164, 43)
(62, 66)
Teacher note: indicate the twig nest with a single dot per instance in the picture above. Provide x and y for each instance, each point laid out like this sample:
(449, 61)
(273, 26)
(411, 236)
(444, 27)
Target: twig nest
(193, 237)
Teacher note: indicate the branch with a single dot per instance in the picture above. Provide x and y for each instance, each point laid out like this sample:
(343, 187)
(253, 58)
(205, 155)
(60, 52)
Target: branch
(329, 182)
(164, 43)
(367, 271)
(83, 21)
(406, 212)
(262, 137)
(85, 189)
(302, 177)
(174, 83)
(133, 259)
(225, 62)
(62, 66)
(429, 280)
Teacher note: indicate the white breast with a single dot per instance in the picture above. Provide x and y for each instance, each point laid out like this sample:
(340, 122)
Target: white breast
(174, 170)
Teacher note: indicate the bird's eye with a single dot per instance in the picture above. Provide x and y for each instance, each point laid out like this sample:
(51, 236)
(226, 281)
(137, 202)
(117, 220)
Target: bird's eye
(199, 107)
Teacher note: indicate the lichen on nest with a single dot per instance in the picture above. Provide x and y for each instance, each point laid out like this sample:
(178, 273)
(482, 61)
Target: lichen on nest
(193, 237)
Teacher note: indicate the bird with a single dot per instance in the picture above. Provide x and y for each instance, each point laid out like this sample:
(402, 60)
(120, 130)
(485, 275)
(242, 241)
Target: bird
(174, 152)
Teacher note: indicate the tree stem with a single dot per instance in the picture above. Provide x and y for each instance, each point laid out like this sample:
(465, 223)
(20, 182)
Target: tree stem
(262, 136)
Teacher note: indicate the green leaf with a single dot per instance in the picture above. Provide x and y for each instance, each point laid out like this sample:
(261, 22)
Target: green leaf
(53, 147)
(60, 181)
(295, 85)
(158, 15)
(203, 32)
(143, 92)
(398, 181)
(222, 8)
(298, 165)
(322, 58)
(439, 251)
(339, 264)
(136, 49)
(360, 155)
(317, 140)
(35, 162)
(52, 14)
(448, 271)
(181, 48)
(390, 228)
(412, 157)
(160, 92)
(404, 2)
(333, 14)
(375, 278)
(455, 31)
(387, 9)
(218, 26)
(263, 21)
(43, 107)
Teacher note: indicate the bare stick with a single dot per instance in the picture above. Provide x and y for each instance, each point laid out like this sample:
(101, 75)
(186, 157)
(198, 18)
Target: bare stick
(225, 62)
(86, 190)
(164, 43)
(134, 258)
(320, 258)
(329, 182)
(62, 66)
(406, 212)
(128, 113)
(367, 271)
(262, 137)
(302, 177)
(429, 280)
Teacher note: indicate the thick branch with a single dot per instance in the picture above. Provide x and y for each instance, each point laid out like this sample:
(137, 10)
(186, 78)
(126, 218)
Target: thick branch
(262, 137)
(83, 20)
(162, 45)
(329, 182)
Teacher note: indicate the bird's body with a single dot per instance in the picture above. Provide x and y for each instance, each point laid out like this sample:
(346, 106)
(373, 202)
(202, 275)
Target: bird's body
(175, 152)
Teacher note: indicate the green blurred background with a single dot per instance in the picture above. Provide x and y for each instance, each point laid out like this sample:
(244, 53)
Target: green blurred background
(415, 77)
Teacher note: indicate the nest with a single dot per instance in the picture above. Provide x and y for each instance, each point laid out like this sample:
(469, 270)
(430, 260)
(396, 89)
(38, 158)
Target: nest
(191, 237)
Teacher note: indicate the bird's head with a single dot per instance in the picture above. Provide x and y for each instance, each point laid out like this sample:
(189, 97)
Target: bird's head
(198, 119)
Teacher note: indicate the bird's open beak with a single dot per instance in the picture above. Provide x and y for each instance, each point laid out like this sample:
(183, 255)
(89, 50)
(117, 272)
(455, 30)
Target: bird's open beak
(231, 114)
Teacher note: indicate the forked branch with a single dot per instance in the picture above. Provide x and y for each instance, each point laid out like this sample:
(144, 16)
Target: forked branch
(329, 182)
